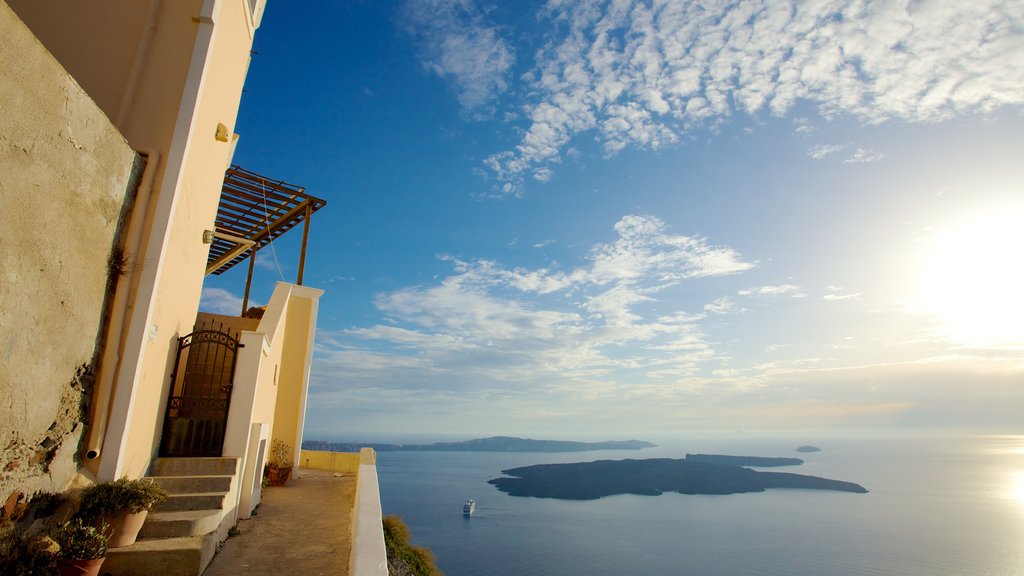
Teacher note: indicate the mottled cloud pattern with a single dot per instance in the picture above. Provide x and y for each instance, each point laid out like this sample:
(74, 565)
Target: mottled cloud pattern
(641, 73)
(458, 44)
(527, 324)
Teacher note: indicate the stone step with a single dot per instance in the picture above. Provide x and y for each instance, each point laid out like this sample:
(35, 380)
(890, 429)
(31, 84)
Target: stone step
(180, 523)
(193, 484)
(193, 501)
(194, 466)
(164, 556)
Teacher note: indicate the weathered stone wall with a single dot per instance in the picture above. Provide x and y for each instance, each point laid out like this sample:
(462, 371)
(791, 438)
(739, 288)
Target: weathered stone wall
(67, 178)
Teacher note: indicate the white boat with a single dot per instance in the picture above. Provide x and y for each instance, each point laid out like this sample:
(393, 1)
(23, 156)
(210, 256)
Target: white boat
(469, 508)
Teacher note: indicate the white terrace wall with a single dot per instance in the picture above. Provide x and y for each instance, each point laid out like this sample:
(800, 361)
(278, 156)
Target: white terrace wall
(66, 177)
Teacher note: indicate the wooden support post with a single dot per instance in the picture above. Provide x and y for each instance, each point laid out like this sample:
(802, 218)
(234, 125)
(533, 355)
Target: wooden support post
(248, 280)
(305, 237)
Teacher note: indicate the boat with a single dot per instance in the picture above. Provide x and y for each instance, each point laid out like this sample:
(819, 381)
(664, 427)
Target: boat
(469, 508)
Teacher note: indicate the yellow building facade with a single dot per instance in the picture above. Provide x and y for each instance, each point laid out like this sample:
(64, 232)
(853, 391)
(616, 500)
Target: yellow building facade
(116, 128)
(168, 75)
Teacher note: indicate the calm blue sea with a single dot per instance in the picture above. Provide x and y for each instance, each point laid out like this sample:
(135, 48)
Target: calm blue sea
(938, 505)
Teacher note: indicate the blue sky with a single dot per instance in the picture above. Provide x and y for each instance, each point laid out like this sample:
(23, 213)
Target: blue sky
(623, 218)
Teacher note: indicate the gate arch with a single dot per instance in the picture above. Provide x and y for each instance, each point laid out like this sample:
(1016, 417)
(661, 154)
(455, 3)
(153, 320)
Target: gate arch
(200, 395)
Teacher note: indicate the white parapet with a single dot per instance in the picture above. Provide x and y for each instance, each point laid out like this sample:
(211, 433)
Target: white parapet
(369, 555)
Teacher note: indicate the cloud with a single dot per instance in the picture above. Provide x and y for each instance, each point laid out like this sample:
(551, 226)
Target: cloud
(864, 155)
(785, 290)
(220, 301)
(458, 44)
(722, 305)
(640, 74)
(267, 260)
(823, 150)
(486, 322)
(803, 126)
(838, 294)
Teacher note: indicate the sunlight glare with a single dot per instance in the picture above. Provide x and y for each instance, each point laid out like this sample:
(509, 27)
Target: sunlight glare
(1017, 490)
(972, 279)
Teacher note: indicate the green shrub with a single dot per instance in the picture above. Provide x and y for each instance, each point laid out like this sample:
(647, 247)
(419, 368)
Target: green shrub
(80, 541)
(403, 558)
(280, 454)
(396, 531)
(111, 498)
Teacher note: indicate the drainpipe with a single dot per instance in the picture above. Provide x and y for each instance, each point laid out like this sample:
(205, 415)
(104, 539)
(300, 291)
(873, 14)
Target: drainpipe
(138, 65)
(110, 363)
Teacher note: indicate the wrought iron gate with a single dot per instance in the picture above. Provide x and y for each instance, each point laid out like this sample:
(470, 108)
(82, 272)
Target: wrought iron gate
(197, 407)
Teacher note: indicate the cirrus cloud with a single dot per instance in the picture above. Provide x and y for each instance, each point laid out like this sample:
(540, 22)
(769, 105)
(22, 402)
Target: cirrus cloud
(460, 44)
(640, 73)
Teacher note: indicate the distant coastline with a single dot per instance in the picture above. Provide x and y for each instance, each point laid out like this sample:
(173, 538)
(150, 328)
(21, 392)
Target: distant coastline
(492, 444)
(652, 477)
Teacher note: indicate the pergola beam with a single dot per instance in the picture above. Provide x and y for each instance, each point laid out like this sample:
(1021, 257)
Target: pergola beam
(257, 210)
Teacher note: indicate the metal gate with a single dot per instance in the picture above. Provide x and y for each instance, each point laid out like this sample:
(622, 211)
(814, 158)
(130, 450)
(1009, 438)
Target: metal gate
(197, 407)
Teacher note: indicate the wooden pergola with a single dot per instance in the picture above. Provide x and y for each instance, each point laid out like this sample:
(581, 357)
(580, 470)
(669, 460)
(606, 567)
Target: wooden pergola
(254, 211)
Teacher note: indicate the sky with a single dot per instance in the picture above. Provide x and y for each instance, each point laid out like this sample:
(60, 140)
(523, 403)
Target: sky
(637, 218)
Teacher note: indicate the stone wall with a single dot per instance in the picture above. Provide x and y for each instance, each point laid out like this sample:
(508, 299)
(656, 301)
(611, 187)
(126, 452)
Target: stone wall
(67, 179)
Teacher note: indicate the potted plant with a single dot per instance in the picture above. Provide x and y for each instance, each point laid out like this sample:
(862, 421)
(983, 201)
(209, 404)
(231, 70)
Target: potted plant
(123, 505)
(279, 468)
(83, 548)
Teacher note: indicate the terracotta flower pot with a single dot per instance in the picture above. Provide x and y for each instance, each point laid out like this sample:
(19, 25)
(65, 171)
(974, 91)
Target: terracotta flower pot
(68, 567)
(278, 476)
(124, 528)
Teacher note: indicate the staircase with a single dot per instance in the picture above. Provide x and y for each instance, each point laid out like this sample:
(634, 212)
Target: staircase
(180, 535)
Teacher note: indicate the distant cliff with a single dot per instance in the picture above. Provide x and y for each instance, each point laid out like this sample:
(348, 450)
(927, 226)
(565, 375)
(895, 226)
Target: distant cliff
(759, 461)
(592, 480)
(493, 444)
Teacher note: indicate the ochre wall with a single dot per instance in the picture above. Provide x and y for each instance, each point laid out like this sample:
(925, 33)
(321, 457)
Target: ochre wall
(191, 66)
(292, 371)
(234, 324)
(273, 325)
(65, 176)
(178, 288)
(343, 462)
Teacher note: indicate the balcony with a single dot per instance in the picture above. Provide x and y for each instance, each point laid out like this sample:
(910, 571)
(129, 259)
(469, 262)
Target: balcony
(325, 521)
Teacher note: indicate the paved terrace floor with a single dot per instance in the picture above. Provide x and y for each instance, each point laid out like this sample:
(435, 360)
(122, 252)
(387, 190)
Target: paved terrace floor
(302, 528)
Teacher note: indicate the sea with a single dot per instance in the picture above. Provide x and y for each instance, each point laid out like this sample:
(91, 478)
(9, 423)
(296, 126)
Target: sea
(939, 504)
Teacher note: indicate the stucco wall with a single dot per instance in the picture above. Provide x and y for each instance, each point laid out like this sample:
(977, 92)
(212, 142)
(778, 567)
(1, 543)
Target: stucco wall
(217, 51)
(66, 176)
(291, 384)
(233, 323)
(342, 462)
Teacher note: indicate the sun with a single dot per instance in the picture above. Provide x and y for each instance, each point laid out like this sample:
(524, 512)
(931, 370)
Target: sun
(972, 279)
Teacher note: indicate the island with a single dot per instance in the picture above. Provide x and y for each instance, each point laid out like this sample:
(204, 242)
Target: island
(759, 461)
(651, 477)
(492, 444)
(806, 449)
